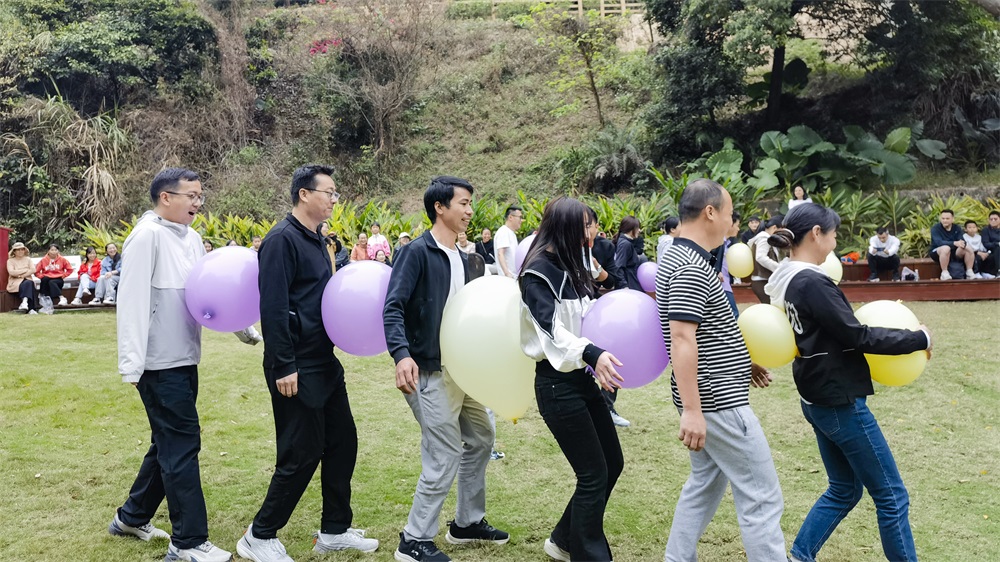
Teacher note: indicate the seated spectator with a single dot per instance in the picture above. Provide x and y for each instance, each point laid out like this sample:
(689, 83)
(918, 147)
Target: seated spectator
(947, 243)
(485, 248)
(974, 243)
(52, 270)
(19, 280)
(404, 239)
(765, 258)
(465, 244)
(669, 227)
(90, 272)
(378, 242)
(208, 246)
(111, 269)
(798, 197)
(753, 223)
(883, 254)
(382, 258)
(255, 243)
(991, 241)
(360, 250)
(231, 243)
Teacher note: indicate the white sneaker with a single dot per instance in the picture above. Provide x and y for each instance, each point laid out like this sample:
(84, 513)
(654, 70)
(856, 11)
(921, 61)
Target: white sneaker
(618, 420)
(77, 302)
(988, 276)
(86, 291)
(30, 312)
(142, 532)
(261, 550)
(62, 301)
(109, 300)
(969, 274)
(24, 304)
(94, 302)
(350, 539)
(555, 552)
(945, 276)
(977, 276)
(204, 552)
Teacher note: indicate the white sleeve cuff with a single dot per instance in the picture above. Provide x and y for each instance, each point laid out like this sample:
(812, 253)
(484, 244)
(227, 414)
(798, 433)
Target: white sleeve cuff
(131, 378)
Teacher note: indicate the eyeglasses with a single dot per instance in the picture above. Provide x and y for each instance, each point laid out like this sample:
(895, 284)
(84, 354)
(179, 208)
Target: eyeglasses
(333, 195)
(200, 197)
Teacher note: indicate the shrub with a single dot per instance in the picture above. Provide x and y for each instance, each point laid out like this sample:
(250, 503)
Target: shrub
(469, 10)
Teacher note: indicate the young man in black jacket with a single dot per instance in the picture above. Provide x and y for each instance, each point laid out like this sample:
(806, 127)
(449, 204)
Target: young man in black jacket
(455, 432)
(312, 415)
(991, 241)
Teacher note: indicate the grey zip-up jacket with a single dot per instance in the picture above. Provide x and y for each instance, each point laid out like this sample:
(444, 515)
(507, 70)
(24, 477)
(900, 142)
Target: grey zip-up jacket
(155, 329)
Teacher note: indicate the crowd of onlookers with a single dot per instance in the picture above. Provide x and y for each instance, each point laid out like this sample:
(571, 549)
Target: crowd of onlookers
(961, 253)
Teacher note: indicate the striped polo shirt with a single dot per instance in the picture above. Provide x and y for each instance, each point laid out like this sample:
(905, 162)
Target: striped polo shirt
(688, 289)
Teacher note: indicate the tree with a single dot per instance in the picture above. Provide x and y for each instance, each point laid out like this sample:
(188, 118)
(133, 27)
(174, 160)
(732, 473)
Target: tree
(585, 45)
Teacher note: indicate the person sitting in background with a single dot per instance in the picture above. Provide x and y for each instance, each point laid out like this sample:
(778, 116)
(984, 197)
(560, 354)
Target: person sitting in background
(255, 243)
(485, 248)
(52, 270)
(19, 278)
(89, 273)
(232, 243)
(798, 197)
(753, 224)
(765, 258)
(991, 241)
(382, 258)
(974, 242)
(669, 227)
(883, 254)
(333, 246)
(111, 269)
(465, 244)
(360, 250)
(208, 246)
(377, 241)
(947, 243)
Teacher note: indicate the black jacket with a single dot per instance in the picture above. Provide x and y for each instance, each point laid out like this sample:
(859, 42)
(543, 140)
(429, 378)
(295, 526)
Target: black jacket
(831, 369)
(628, 262)
(604, 251)
(991, 239)
(294, 270)
(485, 249)
(414, 304)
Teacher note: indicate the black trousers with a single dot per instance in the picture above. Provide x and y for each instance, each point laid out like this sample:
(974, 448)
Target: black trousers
(578, 417)
(758, 289)
(26, 290)
(883, 263)
(51, 287)
(170, 467)
(314, 426)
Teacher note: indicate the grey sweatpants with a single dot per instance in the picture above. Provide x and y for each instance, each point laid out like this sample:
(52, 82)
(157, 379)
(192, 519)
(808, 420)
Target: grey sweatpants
(455, 438)
(736, 452)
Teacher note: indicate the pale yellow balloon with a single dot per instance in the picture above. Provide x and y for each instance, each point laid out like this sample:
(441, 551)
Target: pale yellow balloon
(892, 370)
(481, 346)
(768, 335)
(739, 258)
(833, 268)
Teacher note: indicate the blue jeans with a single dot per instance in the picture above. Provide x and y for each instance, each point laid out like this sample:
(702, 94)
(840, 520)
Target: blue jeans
(856, 457)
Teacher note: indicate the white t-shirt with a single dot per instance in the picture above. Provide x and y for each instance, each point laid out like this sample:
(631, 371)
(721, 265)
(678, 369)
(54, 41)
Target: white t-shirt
(796, 202)
(457, 271)
(505, 238)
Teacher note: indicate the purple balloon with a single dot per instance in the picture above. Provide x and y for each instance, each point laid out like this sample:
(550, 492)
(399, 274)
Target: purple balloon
(522, 251)
(352, 307)
(627, 324)
(647, 277)
(221, 291)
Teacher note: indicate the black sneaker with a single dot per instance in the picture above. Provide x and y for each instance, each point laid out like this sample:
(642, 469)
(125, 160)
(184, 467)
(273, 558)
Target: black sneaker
(419, 551)
(481, 531)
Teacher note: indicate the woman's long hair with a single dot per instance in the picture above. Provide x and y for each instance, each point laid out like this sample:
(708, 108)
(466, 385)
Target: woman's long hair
(562, 233)
(627, 226)
(118, 255)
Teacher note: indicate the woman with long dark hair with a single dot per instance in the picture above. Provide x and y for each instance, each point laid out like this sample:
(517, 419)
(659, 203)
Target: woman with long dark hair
(556, 288)
(626, 256)
(834, 381)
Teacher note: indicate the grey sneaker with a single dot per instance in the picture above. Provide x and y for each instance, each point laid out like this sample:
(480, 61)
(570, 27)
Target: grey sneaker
(555, 551)
(95, 302)
(142, 532)
(261, 550)
(618, 420)
(204, 552)
(351, 539)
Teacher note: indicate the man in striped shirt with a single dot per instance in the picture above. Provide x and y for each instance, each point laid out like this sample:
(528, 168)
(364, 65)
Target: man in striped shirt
(710, 384)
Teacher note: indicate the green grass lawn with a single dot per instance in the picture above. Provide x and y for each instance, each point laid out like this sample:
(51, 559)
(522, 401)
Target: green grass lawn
(72, 436)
